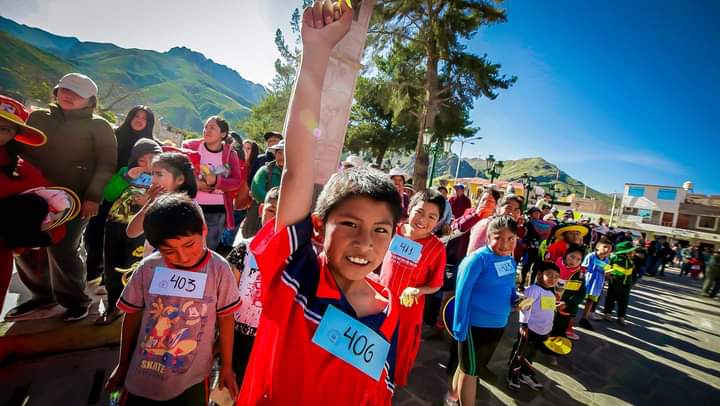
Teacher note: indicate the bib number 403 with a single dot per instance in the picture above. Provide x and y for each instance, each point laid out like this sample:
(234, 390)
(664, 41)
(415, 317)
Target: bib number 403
(358, 344)
(183, 283)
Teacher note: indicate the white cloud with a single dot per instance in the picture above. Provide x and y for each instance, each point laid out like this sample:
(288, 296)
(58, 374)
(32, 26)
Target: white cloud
(237, 33)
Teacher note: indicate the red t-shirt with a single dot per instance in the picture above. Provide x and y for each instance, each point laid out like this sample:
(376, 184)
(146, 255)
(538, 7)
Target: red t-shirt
(398, 273)
(556, 250)
(286, 367)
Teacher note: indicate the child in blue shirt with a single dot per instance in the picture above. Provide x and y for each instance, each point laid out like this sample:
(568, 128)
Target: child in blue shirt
(596, 265)
(484, 295)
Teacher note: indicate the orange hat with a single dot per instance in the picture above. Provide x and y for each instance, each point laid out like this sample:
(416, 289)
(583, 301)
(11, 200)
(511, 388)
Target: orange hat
(13, 111)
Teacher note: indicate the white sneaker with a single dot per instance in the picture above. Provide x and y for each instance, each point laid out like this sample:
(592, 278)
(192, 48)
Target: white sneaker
(530, 381)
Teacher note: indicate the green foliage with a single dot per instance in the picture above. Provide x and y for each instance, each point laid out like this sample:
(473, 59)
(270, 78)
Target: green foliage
(109, 116)
(268, 115)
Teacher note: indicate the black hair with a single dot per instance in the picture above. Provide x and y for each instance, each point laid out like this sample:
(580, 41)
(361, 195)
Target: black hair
(272, 194)
(510, 198)
(13, 153)
(442, 188)
(171, 216)
(428, 196)
(224, 126)
(179, 164)
(146, 132)
(254, 152)
(575, 248)
(492, 192)
(498, 223)
(605, 241)
(547, 266)
(358, 182)
(272, 134)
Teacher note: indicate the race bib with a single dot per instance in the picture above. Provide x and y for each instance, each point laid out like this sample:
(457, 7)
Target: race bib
(172, 282)
(547, 303)
(352, 342)
(573, 285)
(504, 268)
(406, 248)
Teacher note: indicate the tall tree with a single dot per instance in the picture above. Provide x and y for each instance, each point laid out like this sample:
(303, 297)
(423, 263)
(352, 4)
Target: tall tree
(432, 34)
(269, 113)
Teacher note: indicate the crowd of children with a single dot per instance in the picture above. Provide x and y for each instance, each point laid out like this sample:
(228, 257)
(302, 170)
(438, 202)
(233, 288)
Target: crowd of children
(325, 304)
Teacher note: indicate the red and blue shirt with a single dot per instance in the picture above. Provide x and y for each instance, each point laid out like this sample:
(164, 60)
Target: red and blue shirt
(285, 366)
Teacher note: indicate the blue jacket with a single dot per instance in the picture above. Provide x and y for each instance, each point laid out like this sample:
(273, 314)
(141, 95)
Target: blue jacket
(485, 291)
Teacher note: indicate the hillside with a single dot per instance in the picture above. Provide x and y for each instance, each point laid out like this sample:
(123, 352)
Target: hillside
(181, 85)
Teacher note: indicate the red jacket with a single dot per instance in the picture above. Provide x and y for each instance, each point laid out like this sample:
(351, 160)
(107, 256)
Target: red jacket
(231, 184)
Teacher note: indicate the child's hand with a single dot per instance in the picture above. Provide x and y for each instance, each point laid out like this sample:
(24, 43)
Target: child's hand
(228, 380)
(134, 173)
(142, 199)
(116, 379)
(524, 331)
(409, 296)
(325, 24)
(153, 192)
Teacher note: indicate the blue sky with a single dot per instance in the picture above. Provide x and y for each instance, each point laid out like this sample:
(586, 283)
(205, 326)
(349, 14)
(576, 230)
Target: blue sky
(611, 92)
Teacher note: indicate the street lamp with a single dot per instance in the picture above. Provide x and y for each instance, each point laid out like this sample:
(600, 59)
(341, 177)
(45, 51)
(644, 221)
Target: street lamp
(494, 167)
(464, 141)
(527, 181)
(434, 148)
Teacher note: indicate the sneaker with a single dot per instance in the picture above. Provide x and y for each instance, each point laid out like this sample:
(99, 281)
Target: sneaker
(595, 316)
(28, 308)
(607, 317)
(108, 317)
(530, 381)
(571, 335)
(76, 313)
(449, 401)
(621, 321)
(585, 323)
(513, 383)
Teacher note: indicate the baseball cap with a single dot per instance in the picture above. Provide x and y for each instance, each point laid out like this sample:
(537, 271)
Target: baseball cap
(459, 186)
(80, 84)
(271, 134)
(279, 146)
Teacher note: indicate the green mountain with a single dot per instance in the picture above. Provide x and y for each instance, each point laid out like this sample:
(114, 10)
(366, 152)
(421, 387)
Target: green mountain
(182, 86)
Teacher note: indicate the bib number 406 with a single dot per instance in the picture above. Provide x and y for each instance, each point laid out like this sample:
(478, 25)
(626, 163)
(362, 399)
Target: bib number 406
(183, 283)
(358, 344)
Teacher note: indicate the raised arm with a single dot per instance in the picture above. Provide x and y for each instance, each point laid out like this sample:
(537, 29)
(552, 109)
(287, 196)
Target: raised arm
(323, 25)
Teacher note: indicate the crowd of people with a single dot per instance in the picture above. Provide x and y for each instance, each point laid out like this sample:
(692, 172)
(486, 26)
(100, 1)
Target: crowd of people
(212, 249)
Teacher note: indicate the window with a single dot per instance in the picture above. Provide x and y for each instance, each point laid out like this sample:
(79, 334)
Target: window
(667, 194)
(706, 222)
(636, 191)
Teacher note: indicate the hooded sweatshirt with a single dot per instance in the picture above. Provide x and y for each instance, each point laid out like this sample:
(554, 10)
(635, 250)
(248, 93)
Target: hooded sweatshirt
(80, 152)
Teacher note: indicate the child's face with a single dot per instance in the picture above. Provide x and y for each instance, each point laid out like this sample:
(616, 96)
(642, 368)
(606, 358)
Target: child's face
(512, 209)
(603, 250)
(184, 251)
(573, 237)
(145, 161)
(502, 242)
(399, 183)
(356, 236)
(423, 218)
(573, 259)
(165, 179)
(268, 211)
(549, 278)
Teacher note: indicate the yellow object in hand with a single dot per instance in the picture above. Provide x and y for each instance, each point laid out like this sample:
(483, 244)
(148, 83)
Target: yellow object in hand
(409, 296)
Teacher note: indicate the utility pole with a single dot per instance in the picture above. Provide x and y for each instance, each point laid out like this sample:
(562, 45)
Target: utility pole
(462, 145)
(612, 211)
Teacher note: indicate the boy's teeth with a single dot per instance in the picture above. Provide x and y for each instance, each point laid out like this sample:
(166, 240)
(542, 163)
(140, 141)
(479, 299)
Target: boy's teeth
(359, 261)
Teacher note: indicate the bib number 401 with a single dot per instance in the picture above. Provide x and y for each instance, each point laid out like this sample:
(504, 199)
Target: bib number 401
(358, 344)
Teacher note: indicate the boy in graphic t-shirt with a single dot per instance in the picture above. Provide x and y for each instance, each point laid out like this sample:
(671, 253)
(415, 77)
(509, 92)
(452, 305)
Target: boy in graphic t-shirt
(173, 303)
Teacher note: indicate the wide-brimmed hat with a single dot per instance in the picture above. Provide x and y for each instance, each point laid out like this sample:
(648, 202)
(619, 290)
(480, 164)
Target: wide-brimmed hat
(558, 345)
(624, 247)
(64, 205)
(564, 228)
(13, 111)
(397, 172)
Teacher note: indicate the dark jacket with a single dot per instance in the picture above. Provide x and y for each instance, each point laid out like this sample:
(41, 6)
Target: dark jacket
(80, 152)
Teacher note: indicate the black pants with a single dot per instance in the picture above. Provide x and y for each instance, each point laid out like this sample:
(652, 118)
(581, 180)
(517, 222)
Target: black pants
(619, 293)
(195, 395)
(531, 266)
(120, 252)
(242, 348)
(477, 349)
(93, 240)
(523, 353)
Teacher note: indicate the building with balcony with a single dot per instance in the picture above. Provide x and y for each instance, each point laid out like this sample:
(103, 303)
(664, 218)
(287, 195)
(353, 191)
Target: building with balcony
(672, 211)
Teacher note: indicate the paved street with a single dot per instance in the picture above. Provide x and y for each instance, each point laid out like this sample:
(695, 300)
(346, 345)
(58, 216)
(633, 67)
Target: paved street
(668, 354)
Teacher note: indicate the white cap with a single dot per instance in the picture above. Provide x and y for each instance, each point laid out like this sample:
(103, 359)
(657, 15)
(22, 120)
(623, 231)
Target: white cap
(397, 172)
(354, 161)
(80, 84)
(279, 146)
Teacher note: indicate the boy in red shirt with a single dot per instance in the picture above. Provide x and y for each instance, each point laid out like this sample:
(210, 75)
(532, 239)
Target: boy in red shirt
(327, 332)
(413, 268)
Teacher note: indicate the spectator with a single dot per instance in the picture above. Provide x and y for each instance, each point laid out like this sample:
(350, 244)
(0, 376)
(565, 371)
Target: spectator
(81, 155)
(268, 176)
(459, 202)
(352, 161)
(221, 175)
(398, 177)
(139, 123)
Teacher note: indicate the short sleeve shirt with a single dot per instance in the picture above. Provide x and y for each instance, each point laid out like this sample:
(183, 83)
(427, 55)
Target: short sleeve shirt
(175, 341)
(286, 367)
(247, 317)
